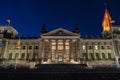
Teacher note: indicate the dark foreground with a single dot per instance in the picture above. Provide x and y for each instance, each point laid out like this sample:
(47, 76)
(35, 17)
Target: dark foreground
(22, 74)
(60, 72)
(59, 76)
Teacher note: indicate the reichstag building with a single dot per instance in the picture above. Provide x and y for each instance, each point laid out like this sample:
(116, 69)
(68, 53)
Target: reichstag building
(59, 46)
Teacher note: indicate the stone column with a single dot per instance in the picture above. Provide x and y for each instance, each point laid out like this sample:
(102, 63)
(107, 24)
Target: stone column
(5, 50)
(56, 54)
(99, 48)
(93, 50)
(50, 51)
(64, 51)
(81, 50)
(43, 50)
(26, 47)
(77, 50)
(40, 50)
(69, 50)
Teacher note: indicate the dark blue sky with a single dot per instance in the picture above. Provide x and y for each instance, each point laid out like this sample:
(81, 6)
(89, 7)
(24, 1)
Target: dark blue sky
(28, 16)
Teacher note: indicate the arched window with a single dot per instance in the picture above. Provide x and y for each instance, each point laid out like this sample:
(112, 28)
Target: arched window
(23, 56)
(23, 47)
(102, 47)
(27, 57)
(91, 56)
(85, 57)
(103, 55)
(16, 55)
(109, 56)
(36, 47)
(97, 56)
(10, 56)
(34, 56)
(90, 47)
(30, 47)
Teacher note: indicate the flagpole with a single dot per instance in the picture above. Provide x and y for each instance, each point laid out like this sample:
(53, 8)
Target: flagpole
(113, 44)
(8, 20)
(107, 26)
(114, 49)
(16, 56)
(8, 23)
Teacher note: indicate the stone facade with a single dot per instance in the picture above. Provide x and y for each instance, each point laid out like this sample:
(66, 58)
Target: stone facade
(59, 46)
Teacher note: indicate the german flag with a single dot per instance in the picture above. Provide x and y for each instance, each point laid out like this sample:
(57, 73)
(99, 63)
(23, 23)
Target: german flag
(107, 21)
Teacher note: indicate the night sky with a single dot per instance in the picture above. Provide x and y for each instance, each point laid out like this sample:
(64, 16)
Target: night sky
(28, 16)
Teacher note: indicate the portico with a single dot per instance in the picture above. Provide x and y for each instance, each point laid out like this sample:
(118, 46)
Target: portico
(60, 48)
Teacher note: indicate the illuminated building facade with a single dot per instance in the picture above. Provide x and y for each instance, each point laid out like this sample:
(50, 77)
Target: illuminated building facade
(59, 46)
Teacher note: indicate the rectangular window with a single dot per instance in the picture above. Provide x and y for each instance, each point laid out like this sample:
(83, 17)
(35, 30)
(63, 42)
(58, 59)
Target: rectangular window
(36, 47)
(96, 47)
(91, 56)
(30, 47)
(60, 59)
(102, 47)
(16, 55)
(90, 47)
(23, 56)
(10, 56)
(66, 47)
(108, 47)
(109, 56)
(103, 56)
(23, 47)
(97, 56)
(85, 57)
(54, 47)
(84, 47)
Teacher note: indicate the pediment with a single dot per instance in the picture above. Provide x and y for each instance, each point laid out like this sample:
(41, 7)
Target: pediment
(60, 32)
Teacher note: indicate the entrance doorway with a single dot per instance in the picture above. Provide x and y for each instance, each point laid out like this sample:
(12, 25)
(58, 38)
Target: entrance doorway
(60, 55)
(60, 59)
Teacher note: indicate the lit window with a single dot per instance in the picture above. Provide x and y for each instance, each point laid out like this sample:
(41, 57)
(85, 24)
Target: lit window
(96, 47)
(60, 45)
(53, 47)
(53, 43)
(66, 43)
(83, 47)
(66, 47)
(60, 59)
